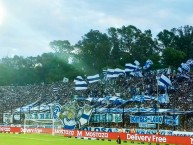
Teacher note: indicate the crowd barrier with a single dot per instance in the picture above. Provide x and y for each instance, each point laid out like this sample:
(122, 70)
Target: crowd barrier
(104, 135)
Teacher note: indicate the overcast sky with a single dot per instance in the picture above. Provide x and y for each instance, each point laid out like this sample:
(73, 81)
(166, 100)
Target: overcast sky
(27, 26)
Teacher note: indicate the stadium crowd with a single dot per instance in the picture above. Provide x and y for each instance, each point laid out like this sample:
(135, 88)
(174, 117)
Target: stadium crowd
(124, 86)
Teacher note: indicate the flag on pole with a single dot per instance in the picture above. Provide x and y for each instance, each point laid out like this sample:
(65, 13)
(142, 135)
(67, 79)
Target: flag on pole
(163, 98)
(69, 124)
(136, 62)
(118, 72)
(78, 79)
(165, 80)
(185, 67)
(93, 79)
(56, 111)
(169, 70)
(190, 62)
(130, 67)
(110, 73)
(148, 64)
(80, 85)
(86, 115)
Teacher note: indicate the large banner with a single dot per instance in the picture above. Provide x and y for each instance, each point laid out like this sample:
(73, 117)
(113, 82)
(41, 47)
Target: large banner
(10, 129)
(146, 119)
(165, 139)
(139, 131)
(97, 118)
(41, 115)
(101, 129)
(127, 136)
(7, 118)
(147, 125)
(172, 120)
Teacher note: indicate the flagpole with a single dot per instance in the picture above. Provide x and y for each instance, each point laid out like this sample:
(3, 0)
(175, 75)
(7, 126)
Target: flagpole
(123, 116)
(174, 107)
(156, 107)
(108, 114)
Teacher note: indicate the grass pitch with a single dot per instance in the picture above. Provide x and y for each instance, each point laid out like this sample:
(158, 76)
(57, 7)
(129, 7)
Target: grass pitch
(44, 139)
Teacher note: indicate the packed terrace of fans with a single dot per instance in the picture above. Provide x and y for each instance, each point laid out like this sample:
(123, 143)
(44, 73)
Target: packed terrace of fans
(180, 94)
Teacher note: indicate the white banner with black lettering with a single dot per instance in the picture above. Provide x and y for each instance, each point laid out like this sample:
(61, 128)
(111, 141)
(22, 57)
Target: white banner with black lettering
(146, 119)
(42, 115)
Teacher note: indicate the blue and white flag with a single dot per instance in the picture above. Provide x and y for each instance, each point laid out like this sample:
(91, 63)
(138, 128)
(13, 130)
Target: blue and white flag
(56, 111)
(190, 62)
(185, 67)
(136, 74)
(69, 124)
(148, 64)
(184, 75)
(78, 79)
(165, 80)
(85, 117)
(118, 72)
(93, 79)
(80, 85)
(180, 69)
(115, 100)
(172, 120)
(169, 70)
(130, 67)
(104, 73)
(142, 98)
(136, 63)
(161, 85)
(69, 112)
(163, 98)
(55, 89)
(110, 73)
(89, 99)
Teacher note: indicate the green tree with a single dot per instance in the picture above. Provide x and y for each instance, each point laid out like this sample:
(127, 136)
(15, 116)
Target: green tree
(61, 46)
(166, 39)
(6, 74)
(184, 40)
(178, 38)
(136, 45)
(94, 51)
(115, 53)
(172, 57)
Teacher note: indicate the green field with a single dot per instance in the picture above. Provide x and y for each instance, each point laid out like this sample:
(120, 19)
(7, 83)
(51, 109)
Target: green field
(43, 139)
